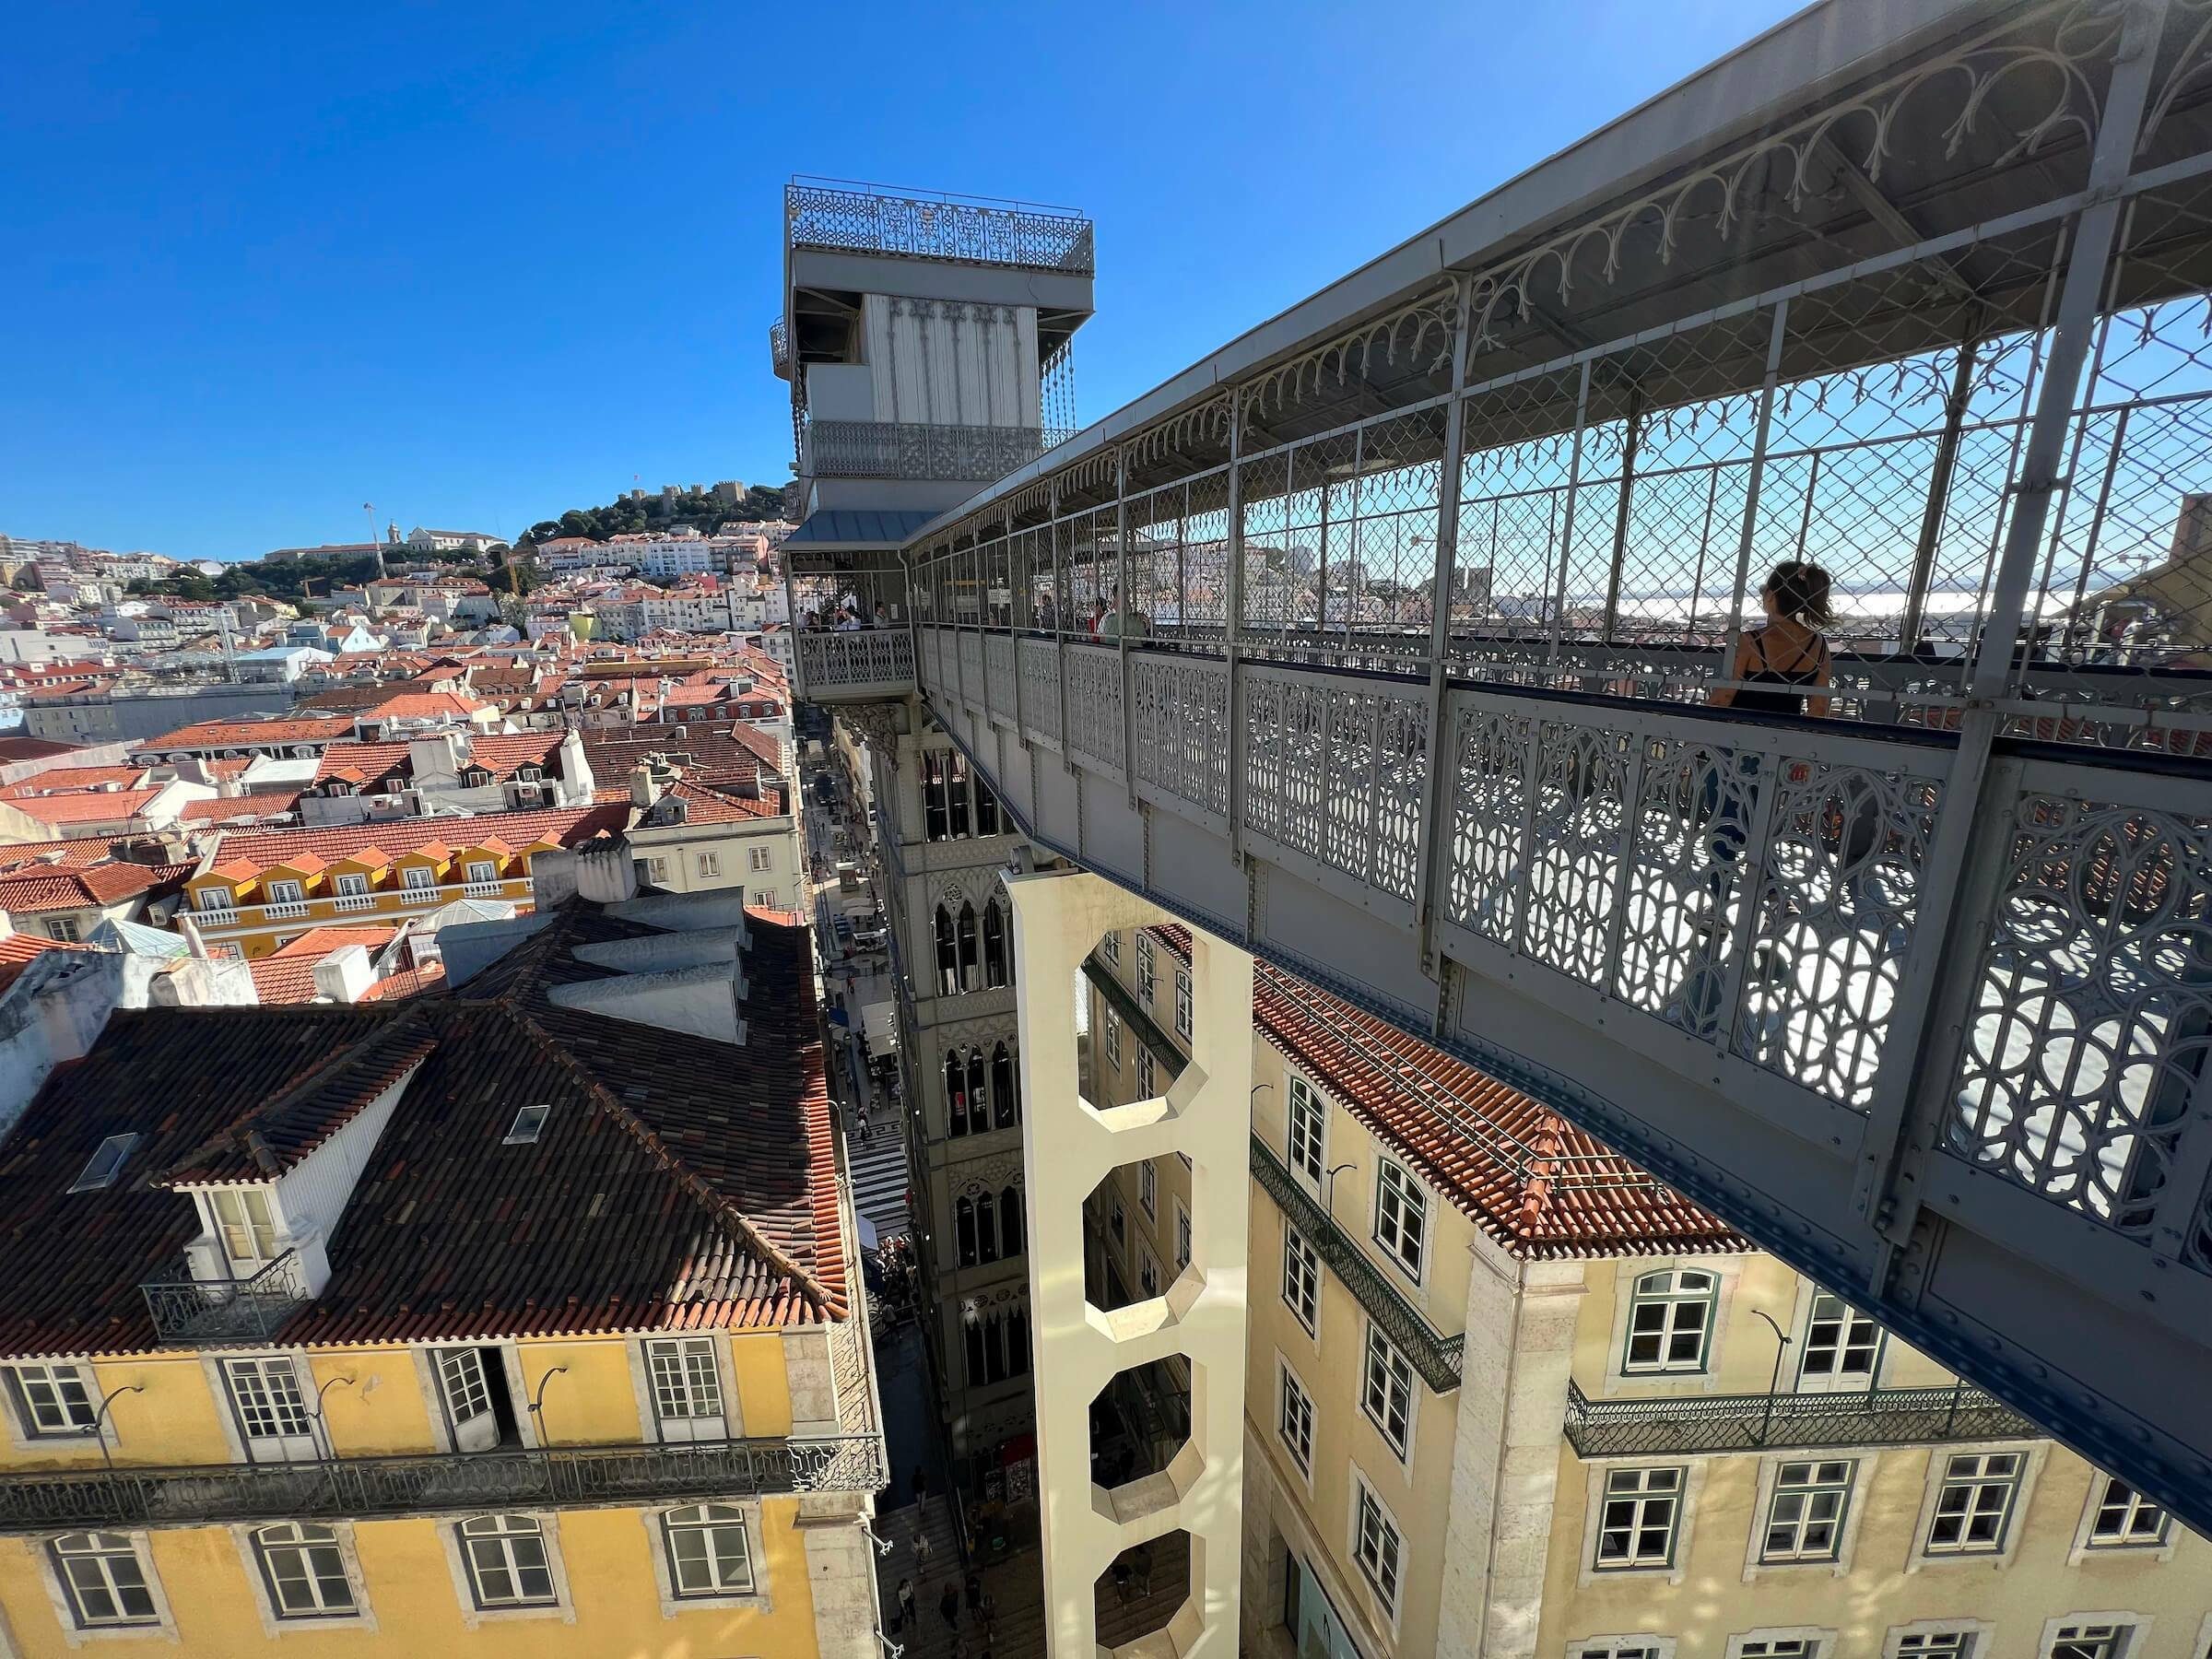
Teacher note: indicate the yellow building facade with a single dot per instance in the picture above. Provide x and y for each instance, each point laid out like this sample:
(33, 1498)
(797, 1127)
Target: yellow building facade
(1570, 1417)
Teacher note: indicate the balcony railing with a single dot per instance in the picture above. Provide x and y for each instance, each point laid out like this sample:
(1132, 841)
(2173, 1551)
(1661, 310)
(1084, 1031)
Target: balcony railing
(874, 659)
(779, 349)
(859, 218)
(186, 1310)
(290, 910)
(451, 1482)
(1874, 1417)
(916, 449)
(1434, 1355)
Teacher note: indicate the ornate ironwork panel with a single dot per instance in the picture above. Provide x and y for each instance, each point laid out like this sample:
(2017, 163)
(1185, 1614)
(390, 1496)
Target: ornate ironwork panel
(1875, 1417)
(918, 448)
(868, 221)
(998, 673)
(1335, 769)
(2088, 1042)
(866, 656)
(1182, 727)
(1040, 661)
(972, 666)
(1094, 702)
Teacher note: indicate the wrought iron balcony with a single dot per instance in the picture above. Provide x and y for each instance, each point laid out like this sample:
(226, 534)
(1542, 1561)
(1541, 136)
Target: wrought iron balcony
(865, 664)
(1874, 1417)
(186, 1310)
(779, 349)
(1434, 1355)
(916, 449)
(446, 1482)
(841, 216)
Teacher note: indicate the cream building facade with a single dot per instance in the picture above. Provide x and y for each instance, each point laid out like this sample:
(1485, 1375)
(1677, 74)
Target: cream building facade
(1505, 1394)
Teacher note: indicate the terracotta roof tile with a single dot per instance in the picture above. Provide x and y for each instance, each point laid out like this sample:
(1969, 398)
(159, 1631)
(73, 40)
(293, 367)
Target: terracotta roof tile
(266, 848)
(678, 1183)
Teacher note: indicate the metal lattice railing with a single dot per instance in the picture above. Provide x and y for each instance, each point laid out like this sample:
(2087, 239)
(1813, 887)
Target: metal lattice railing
(871, 219)
(779, 349)
(915, 449)
(881, 659)
(359, 1487)
(1870, 1416)
(195, 1311)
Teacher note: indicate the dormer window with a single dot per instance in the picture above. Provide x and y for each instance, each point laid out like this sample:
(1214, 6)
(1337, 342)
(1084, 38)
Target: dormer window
(105, 1164)
(483, 870)
(215, 900)
(476, 777)
(418, 877)
(285, 892)
(529, 1123)
(245, 1220)
(351, 885)
(529, 774)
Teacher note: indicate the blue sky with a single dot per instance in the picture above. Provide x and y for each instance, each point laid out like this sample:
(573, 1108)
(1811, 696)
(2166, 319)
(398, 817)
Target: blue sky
(477, 264)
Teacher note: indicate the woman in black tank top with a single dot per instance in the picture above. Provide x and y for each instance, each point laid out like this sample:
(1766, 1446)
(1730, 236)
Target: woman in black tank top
(1788, 654)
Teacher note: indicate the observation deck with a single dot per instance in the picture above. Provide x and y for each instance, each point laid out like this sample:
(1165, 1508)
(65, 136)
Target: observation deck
(1420, 600)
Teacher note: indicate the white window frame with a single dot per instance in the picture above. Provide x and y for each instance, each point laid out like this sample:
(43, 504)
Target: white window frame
(223, 1228)
(216, 902)
(1148, 1189)
(286, 892)
(275, 1621)
(561, 1607)
(656, 870)
(757, 859)
(1771, 1492)
(1381, 1360)
(673, 1602)
(1671, 1298)
(1921, 1557)
(1305, 1131)
(1412, 1197)
(479, 870)
(1295, 1250)
(350, 883)
(418, 878)
(1693, 1485)
(1818, 1642)
(1293, 1397)
(292, 1397)
(1147, 975)
(2087, 1547)
(1150, 1283)
(1148, 1073)
(1621, 1647)
(1387, 1604)
(1110, 1029)
(62, 1592)
(47, 1375)
(744, 1518)
(1182, 1004)
(1185, 1241)
(2135, 1626)
(709, 866)
(646, 1373)
(1810, 1312)
(1899, 1639)
(1109, 948)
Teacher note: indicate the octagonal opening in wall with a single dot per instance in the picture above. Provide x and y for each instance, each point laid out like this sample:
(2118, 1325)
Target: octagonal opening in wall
(1146, 1592)
(1130, 1072)
(1142, 1456)
(1137, 1271)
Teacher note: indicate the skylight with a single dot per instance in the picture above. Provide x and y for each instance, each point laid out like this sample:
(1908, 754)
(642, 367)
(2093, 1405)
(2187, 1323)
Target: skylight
(102, 1167)
(527, 1123)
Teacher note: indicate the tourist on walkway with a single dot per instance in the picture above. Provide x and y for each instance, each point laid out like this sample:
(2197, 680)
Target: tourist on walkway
(948, 1604)
(905, 1614)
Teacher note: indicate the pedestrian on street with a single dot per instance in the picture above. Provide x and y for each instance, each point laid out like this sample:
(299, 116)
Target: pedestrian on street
(975, 1598)
(1121, 1579)
(1140, 1562)
(921, 1486)
(922, 1548)
(905, 1615)
(948, 1604)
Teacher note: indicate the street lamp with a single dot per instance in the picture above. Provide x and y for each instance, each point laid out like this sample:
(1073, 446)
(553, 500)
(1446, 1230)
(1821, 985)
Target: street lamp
(537, 1405)
(1781, 1346)
(100, 1417)
(1330, 1198)
(329, 1445)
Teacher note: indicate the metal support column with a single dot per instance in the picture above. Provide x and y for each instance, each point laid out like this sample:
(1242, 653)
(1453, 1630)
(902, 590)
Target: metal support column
(1751, 485)
(1620, 513)
(1125, 616)
(1443, 749)
(1232, 628)
(1575, 486)
(1939, 489)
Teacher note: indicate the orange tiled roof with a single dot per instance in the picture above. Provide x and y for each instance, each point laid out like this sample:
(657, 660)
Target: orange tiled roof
(566, 825)
(248, 734)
